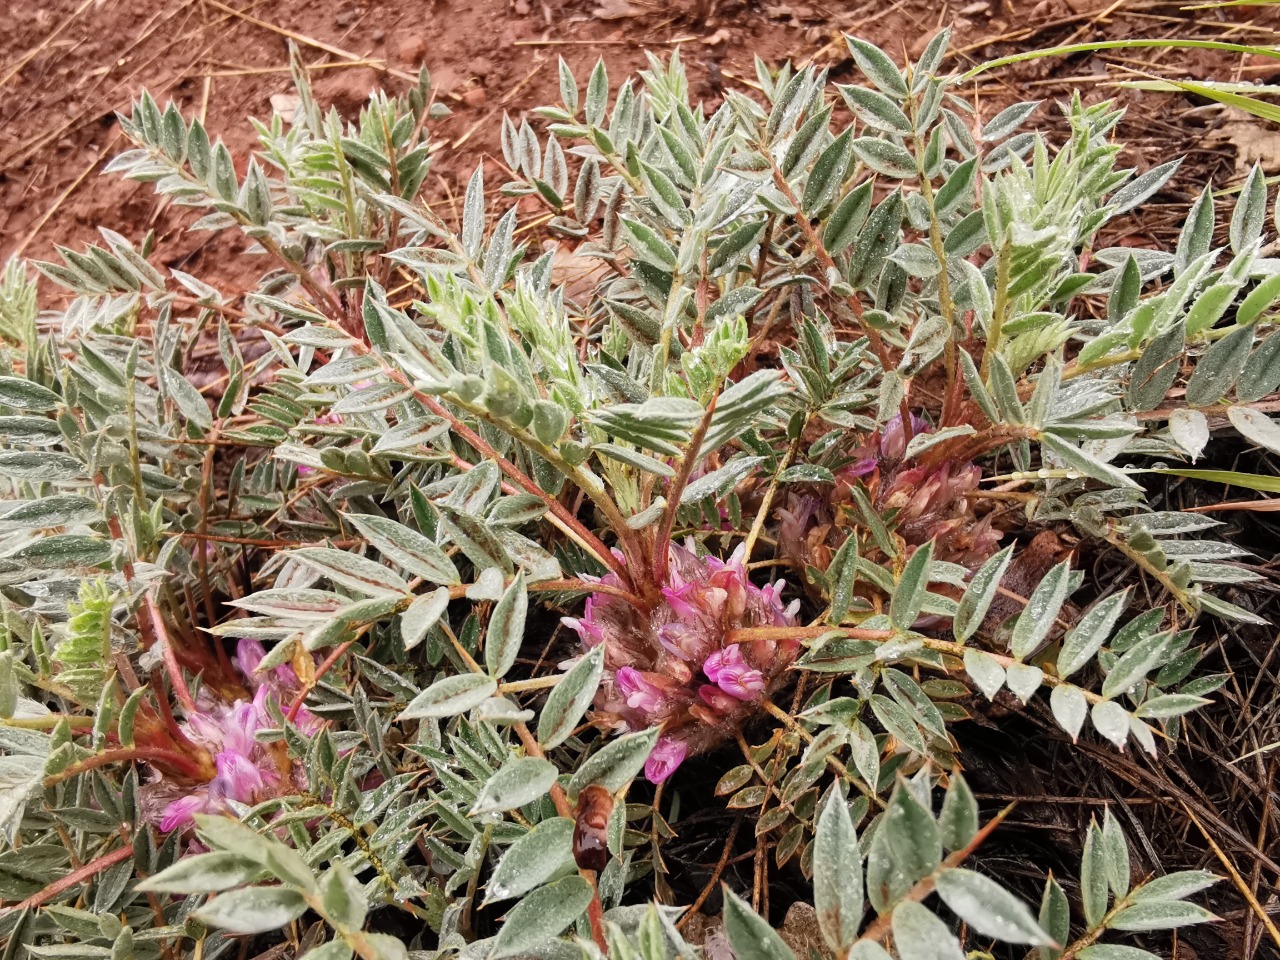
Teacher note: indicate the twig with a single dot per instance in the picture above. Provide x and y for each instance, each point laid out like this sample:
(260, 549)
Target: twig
(48, 722)
(16, 156)
(715, 875)
(601, 43)
(31, 54)
(255, 71)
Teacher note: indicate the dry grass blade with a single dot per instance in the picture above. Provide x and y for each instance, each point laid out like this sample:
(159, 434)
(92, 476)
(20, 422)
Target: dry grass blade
(303, 38)
(1253, 506)
(31, 54)
(62, 197)
(1245, 891)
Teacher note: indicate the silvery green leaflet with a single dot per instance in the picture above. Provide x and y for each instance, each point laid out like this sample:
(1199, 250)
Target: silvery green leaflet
(427, 437)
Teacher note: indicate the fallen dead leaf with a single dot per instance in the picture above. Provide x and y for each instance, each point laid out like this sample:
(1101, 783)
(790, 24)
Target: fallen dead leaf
(800, 931)
(1254, 142)
(285, 104)
(578, 274)
(1255, 506)
(616, 10)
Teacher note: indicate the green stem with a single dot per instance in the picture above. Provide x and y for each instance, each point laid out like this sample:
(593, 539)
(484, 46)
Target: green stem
(868, 790)
(1003, 265)
(1138, 44)
(1111, 360)
(670, 321)
(949, 647)
(757, 525)
(48, 722)
(1143, 563)
(1091, 936)
(944, 281)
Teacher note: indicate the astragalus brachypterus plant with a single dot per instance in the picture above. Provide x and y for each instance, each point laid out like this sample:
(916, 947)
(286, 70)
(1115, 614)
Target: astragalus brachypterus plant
(823, 330)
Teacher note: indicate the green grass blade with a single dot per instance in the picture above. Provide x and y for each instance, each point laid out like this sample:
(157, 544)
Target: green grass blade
(1259, 108)
(1139, 44)
(1233, 478)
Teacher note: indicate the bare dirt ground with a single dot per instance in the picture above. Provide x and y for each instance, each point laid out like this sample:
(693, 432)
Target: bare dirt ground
(67, 67)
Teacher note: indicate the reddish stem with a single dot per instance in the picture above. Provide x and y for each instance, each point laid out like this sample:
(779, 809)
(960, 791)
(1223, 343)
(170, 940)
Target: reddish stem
(828, 264)
(176, 680)
(595, 912)
(587, 586)
(473, 439)
(166, 714)
(325, 666)
(89, 870)
(661, 542)
(880, 929)
(152, 755)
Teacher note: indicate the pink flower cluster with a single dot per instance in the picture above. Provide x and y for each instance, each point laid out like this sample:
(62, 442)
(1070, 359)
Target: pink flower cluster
(929, 503)
(676, 666)
(248, 771)
(892, 446)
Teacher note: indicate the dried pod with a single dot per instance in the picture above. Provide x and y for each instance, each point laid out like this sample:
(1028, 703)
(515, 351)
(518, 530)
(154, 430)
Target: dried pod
(591, 828)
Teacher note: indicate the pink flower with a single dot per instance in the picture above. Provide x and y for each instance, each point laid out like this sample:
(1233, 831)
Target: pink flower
(246, 770)
(639, 692)
(719, 702)
(240, 778)
(657, 660)
(893, 439)
(180, 812)
(281, 681)
(727, 670)
(891, 448)
(667, 755)
(929, 501)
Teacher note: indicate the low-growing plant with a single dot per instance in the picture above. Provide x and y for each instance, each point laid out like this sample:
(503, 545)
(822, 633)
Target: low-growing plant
(283, 650)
